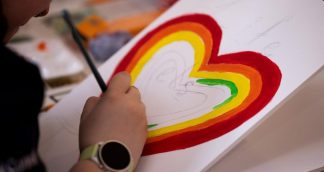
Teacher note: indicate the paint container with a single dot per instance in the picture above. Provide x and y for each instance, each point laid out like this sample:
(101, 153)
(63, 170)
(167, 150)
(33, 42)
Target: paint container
(105, 45)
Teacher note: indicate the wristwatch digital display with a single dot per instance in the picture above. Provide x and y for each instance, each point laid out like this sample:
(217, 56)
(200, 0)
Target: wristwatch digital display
(111, 156)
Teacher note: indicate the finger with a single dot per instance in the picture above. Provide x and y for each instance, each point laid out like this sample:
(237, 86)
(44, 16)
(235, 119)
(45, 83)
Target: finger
(120, 83)
(89, 105)
(134, 93)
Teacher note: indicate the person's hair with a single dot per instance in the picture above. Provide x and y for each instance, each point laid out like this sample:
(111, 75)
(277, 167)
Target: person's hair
(3, 23)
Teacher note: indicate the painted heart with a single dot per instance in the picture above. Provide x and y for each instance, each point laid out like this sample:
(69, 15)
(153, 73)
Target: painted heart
(169, 94)
(251, 80)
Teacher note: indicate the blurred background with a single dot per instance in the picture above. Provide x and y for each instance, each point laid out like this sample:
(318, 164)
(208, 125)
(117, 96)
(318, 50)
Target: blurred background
(105, 26)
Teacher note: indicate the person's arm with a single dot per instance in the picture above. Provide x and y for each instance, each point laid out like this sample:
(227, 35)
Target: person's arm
(118, 114)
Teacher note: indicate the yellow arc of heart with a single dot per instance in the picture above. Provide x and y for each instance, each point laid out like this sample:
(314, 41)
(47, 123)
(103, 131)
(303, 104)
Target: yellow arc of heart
(242, 83)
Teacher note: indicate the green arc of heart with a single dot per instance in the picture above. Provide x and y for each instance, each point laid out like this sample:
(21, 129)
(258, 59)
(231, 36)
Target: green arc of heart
(228, 84)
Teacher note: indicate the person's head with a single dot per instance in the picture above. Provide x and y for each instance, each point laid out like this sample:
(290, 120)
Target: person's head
(15, 13)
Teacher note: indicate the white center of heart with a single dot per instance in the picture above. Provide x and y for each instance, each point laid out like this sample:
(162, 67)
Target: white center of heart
(169, 94)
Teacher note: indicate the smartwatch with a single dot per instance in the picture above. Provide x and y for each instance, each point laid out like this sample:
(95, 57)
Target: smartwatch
(111, 156)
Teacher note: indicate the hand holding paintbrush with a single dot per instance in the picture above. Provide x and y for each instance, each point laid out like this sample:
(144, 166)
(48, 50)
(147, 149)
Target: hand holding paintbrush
(118, 115)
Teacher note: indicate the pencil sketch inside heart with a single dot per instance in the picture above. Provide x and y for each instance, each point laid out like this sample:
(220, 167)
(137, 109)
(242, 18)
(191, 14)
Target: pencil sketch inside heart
(169, 94)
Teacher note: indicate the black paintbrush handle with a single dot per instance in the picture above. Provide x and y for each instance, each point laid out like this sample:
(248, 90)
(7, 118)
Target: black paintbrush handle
(77, 38)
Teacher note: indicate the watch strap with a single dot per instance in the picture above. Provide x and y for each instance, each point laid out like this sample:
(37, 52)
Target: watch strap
(89, 152)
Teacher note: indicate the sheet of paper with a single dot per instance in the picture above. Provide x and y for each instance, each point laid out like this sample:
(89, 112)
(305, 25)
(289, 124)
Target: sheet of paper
(183, 92)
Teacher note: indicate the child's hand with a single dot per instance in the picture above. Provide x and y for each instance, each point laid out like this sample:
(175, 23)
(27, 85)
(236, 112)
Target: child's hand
(118, 115)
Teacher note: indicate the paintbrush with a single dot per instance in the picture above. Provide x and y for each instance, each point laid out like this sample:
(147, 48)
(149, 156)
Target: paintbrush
(77, 39)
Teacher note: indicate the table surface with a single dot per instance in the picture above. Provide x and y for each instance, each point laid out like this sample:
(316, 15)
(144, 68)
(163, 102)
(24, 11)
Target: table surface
(37, 30)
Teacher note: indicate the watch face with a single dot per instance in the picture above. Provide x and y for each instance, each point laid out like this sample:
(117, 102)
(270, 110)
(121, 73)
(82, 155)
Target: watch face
(115, 156)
